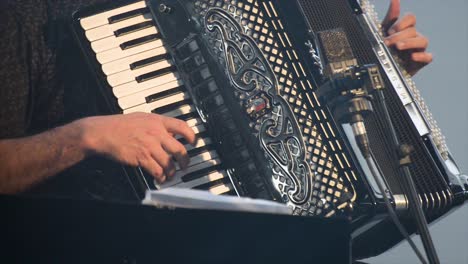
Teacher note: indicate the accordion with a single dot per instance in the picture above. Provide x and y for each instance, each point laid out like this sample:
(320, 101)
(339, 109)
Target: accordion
(244, 74)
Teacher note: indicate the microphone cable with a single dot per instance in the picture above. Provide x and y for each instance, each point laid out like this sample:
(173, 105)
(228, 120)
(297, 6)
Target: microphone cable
(372, 167)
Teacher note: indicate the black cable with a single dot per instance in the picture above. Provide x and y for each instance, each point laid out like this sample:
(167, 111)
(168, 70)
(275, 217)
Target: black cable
(391, 212)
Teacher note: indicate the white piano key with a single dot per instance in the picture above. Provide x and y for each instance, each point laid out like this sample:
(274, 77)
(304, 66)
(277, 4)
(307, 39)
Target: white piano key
(185, 109)
(221, 189)
(201, 142)
(147, 108)
(202, 157)
(124, 63)
(197, 167)
(202, 180)
(179, 174)
(194, 122)
(108, 30)
(130, 75)
(139, 98)
(114, 42)
(102, 18)
(118, 53)
(196, 129)
(135, 87)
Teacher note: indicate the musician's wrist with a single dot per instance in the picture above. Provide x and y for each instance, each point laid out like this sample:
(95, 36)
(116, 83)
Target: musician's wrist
(86, 139)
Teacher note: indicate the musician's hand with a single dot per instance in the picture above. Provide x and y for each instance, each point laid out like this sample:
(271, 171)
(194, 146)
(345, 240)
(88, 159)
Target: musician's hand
(139, 139)
(403, 36)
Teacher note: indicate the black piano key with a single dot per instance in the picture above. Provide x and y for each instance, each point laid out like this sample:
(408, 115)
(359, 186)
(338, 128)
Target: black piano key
(200, 150)
(188, 116)
(139, 41)
(212, 184)
(148, 61)
(200, 173)
(165, 93)
(127, 15)
(170, 107)
(133, 28)
(203, 134)
(155, 74)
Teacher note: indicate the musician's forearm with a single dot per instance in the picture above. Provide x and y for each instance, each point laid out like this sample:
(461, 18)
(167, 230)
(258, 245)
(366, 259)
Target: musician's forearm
(26, 161)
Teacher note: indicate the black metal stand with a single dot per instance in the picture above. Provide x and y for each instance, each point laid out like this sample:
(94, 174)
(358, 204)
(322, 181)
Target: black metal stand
(415, 204)
(404, 152)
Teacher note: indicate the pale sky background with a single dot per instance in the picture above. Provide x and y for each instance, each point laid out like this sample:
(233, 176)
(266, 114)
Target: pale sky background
(444, 85)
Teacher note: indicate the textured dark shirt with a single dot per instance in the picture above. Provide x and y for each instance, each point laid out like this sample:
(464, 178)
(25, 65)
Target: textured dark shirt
(45, 82)
(38, 59)
(27, 94)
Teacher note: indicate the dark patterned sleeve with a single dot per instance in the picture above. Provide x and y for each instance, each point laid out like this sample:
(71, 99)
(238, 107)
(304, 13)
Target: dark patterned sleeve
(14, 81)
(22, 61)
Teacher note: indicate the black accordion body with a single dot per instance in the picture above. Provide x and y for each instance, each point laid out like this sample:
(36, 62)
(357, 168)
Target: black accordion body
(244, 75)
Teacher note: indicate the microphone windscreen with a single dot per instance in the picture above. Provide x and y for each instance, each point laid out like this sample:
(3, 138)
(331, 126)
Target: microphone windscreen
(335, 50)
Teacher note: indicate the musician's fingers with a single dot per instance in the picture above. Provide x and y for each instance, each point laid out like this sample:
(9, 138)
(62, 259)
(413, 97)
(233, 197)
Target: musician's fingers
(153, 168)
(164, 160)
(419, 43)
(177, 150)
(422, 57)
(392, 14)
(179, 127)
(402, 35)
(407, 21)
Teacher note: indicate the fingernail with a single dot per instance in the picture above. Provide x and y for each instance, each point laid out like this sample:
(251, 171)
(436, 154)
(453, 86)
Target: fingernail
(162, 179)
(171, 174)
(391, 31)
(400, 45)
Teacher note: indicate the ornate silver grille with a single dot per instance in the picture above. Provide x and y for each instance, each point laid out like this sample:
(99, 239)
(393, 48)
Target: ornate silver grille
(301, 144)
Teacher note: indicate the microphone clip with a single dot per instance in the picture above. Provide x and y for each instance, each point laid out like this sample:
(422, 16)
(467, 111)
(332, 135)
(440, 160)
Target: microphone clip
(348, 93)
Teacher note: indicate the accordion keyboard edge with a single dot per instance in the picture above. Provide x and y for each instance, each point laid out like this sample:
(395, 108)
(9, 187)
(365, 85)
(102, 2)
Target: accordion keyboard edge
(141, 75)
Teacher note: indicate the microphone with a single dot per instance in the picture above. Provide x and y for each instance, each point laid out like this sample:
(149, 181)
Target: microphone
(335, 51)
(345, 88)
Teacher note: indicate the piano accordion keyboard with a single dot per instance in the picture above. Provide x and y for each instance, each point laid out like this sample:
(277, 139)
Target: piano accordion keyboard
(143, 78)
